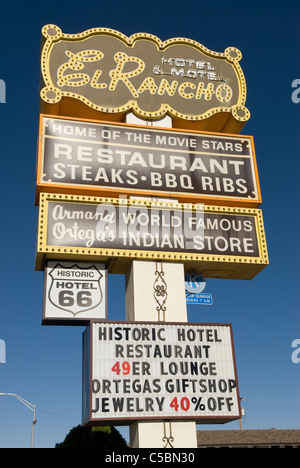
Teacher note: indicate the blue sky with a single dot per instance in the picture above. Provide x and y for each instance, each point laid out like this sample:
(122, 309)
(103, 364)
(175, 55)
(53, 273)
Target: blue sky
(43, 364)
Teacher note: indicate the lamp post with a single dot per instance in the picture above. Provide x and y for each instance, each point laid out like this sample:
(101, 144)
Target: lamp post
(242, 413)
(30, 406)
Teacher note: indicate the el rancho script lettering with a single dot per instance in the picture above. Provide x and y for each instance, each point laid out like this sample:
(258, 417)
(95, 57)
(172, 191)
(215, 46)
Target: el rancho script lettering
(113, 73)
(186, 90)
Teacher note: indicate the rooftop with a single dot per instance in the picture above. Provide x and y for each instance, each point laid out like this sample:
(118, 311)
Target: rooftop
(249, 438)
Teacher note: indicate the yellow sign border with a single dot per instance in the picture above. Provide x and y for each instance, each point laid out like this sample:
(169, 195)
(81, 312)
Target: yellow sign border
(222, 266)
(52, 95)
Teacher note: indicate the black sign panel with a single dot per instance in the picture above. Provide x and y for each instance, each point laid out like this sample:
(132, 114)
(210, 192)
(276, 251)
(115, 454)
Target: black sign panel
(229, 241)
(100, 157)
(155, 229)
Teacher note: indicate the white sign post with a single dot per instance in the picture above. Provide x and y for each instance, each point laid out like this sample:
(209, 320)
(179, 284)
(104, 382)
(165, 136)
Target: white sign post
(155, 293)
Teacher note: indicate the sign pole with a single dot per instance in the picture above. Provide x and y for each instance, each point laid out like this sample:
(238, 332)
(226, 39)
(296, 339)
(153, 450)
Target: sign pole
(155, 292)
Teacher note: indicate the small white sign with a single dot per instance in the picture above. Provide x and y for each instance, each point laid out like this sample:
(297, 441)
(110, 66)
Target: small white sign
(74, 292)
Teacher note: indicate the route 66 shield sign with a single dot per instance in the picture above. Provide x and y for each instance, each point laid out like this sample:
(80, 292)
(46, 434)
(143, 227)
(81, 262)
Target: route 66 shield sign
(74, 292)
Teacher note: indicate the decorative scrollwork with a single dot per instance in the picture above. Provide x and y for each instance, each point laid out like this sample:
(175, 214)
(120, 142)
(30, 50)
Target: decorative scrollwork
(168, 439)
(160, 292)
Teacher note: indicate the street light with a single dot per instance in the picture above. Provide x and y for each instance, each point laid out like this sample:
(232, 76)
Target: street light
(30, 406)
(242, 412)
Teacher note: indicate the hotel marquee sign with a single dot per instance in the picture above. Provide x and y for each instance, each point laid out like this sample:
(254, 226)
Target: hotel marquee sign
(99, 158)
(134, 371)
(104, 71)
(224, 242)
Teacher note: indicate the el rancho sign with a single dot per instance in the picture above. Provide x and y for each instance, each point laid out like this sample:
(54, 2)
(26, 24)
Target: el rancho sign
(101, 71)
